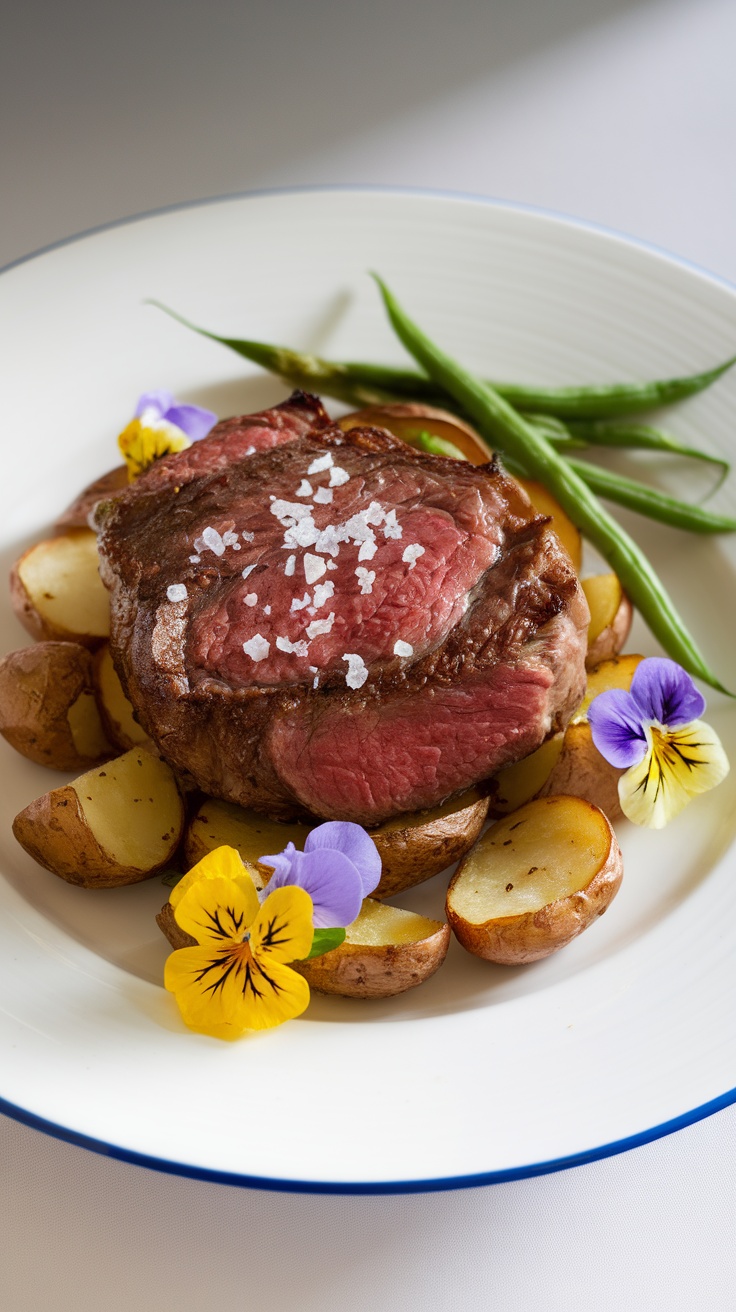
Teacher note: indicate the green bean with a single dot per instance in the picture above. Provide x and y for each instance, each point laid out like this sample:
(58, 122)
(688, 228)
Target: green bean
(362, 384)
(639, 437)
(650, 502)
(499, 422)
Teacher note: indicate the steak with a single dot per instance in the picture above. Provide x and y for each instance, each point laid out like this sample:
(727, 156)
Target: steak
(312, 622)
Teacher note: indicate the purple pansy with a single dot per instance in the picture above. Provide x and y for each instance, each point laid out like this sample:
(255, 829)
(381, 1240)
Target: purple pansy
(193, 420)
(661, 693)
(339, 866)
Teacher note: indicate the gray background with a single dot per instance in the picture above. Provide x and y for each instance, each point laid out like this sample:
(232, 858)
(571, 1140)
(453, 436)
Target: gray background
(621, 113)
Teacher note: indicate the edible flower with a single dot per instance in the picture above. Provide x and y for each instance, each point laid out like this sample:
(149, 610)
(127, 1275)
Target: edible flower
(339, 866)
(237, 978)
(160, 427)
(655, 734)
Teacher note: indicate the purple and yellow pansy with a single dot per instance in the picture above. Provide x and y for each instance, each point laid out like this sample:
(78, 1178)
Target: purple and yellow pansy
(238, 977)
(655, 734)
(161, 426)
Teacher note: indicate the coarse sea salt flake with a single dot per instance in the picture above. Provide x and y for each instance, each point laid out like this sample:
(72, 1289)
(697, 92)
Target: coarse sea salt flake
(288, 511)
(248, 570)
(194, 560)
(314, 568)
(299, 605)
(304, 534)
(229, 538)
(177, 592)
(266, 610)
(320, 626)
(367, 550)
(322, 593)
(322, 462)
(304, 489)
(403, 649)
(391, 527)
(323, 496)
(251, 599)
(212, 540)
(375, 514)
(292, 648)
(366, 578)
(257, 647)
(338, 476)
(357, 670)
(247, 537)
(412, 553)
(290, 566)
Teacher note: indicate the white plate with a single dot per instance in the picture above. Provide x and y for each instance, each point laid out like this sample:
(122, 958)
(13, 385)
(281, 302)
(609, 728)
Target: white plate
(484, 1073)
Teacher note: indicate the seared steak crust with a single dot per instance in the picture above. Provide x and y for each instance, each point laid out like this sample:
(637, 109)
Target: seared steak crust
(334, 624)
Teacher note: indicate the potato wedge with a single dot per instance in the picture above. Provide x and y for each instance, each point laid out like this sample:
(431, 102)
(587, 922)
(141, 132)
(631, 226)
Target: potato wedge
(611, 614)
(386, 951)
(580, 770)
(57, 592)
(409, 420)
(412, 847)
(48, 710)
(522, 781)
(108, 485)
(416, 847)
(218, 824)
(545, 503)
(116, 711)
(116, 824)
(534, 881)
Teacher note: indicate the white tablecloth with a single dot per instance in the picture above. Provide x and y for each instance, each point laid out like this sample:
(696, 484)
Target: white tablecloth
(621, 113)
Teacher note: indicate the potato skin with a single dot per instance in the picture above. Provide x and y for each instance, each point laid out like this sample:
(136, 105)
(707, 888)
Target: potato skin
(417, 852)
(520, 939)
(581, 771)
(353, 970)
(107, 485)
(54, 831)
(41, 627)
(38, 687)
(611, 640)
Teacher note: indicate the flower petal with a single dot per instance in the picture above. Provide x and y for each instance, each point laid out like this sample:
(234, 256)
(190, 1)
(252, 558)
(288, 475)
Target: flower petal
(160, 400)
(330, 879)
(617, 729)
(679, 764)
(221, 863)
(664, 692)
(140, 446)
(282, 863)
(354, 843)
(218, 910)
(282, 931)
(191, 419)
(224, 991)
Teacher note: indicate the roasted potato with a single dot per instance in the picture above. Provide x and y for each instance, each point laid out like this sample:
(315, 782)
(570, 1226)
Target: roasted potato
(522, 781)
(563, 526)
(223, 824)
(108, 485)
(48, 710)
(386, 951)
(416, 847)
(580, 770)
(116, 824)
(57, 592)
(412, 847)
(116, 712)
(611, 614)
(534, 881)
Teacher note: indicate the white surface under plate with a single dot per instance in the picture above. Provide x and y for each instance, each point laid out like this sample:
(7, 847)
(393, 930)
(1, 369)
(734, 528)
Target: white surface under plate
(485, 1072)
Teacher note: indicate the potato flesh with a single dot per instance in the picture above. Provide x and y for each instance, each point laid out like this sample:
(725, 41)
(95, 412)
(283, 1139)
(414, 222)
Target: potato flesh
(62, 581)
(86, 728)
(378, 925)
(123, 724)
(604, 594)
(132, 808)
(615, 673)
(531, 859)
(219, 824)
(569, 535)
